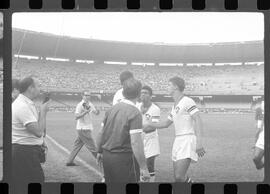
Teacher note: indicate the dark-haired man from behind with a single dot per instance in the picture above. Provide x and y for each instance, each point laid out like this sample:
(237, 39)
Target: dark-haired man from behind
(120, 142)
(28, 128)
(118, 97)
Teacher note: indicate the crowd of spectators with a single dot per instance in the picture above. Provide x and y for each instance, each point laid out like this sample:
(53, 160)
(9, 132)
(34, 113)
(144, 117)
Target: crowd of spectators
(67, 76)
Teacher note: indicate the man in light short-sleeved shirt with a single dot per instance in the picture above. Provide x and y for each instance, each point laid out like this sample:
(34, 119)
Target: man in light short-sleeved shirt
(24, 112)
(181, 116)
(28, 129)
(84, 126)
(187, 145)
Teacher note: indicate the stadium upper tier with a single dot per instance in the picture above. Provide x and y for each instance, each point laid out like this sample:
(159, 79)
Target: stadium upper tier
(206, 80)
(49, 45)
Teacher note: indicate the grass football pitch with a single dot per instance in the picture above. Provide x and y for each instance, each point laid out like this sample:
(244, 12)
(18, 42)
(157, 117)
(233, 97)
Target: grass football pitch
(229, 139)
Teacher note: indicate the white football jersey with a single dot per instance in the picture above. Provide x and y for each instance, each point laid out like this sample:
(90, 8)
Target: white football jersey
(181, 116)
(152, 115)
(118, 96)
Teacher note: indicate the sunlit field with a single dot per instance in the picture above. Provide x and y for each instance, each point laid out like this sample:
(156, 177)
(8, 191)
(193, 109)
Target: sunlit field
(229, 139)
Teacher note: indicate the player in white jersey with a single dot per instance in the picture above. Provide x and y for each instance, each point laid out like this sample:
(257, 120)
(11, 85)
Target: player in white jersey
(118, 96)
(150, 113)
(188, 143)
(258, 157)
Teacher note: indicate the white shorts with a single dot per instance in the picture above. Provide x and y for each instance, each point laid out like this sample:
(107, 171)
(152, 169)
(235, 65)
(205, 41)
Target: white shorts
(260, 141)
(184, 147)
(151, 144)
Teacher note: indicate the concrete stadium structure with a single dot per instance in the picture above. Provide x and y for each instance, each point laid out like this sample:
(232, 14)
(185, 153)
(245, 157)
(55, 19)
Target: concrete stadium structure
(49, 45)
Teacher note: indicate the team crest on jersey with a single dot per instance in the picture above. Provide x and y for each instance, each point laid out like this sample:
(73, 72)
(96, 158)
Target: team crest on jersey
(147, 116)
(177, 109)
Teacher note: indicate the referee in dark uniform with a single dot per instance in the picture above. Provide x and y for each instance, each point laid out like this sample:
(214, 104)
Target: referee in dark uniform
(120, 145)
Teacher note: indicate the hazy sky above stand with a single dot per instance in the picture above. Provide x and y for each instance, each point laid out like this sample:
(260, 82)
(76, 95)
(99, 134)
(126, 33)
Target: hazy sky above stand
(151, 27)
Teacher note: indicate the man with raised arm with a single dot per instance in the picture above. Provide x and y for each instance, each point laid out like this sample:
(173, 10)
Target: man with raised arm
(28, 129)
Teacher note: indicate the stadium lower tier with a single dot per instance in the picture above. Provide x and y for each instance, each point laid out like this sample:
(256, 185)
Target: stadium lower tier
(211, 80)
(220, 103)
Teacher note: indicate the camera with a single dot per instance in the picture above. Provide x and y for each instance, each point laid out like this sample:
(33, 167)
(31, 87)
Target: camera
(47, 97)
(86, 106)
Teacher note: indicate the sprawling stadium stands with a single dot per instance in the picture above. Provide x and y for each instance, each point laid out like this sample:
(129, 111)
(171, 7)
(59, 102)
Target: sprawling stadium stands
(206, 80)
(48, 45)
(73, 76)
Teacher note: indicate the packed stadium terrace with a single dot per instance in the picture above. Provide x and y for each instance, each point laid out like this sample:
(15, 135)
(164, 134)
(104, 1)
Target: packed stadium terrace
(67, 76)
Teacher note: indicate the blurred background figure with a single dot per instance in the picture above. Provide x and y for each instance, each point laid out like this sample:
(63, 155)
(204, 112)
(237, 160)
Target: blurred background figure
(258, 157)
(83, 114)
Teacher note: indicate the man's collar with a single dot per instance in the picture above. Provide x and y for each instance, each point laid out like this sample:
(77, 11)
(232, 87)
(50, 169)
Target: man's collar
(26, 99)
(129, 102)
(178, 101)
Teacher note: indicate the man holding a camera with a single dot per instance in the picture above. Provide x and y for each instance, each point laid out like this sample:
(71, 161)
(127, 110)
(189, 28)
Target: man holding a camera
(83, 114)
(28, 129)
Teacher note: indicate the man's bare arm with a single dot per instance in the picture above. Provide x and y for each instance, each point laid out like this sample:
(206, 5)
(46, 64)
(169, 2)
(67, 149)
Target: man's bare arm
(38, 128)
(153, 126)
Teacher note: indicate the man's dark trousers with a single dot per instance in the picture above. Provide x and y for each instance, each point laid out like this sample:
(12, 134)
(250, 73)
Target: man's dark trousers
(26, 167)
(120, 167)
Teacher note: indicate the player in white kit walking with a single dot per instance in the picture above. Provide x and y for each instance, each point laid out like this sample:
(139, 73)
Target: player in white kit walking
(150, 113)
(188, 145)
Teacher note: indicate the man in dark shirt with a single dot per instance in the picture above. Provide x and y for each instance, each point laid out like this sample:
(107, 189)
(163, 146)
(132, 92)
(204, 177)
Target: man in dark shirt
(120, 142)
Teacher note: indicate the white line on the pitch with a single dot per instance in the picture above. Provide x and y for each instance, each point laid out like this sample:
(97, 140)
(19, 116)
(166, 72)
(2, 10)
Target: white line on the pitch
(77, 158)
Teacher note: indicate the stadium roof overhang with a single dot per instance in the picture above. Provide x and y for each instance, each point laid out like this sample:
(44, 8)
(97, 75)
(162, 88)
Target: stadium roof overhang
(48, 45)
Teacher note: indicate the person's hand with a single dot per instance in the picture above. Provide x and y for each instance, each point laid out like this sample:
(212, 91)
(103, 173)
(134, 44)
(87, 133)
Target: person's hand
(97, 112)
(148, 128)
(99, 159)
(44, 108)
(145, 176)
(44, 145)
(200, 150)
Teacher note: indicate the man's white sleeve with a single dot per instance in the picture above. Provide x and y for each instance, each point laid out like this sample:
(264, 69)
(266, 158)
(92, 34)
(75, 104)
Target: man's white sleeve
(26, 116)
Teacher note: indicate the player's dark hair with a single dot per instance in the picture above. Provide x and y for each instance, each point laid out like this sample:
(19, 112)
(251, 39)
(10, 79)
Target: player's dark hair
(25, 83)
(125, 75)
(132, 88)
(15, 84)
(149, 89)
(179, 82)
